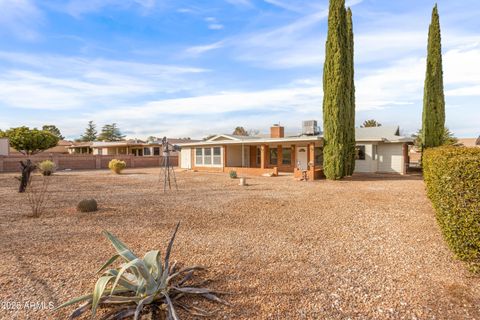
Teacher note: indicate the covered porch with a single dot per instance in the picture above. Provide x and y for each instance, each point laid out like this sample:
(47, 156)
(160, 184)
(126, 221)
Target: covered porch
(300, 156)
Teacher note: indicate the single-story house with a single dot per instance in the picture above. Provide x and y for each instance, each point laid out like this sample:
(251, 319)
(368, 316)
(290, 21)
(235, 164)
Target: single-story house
(4, 147)
(379, 149)
(469, 142)
(126, 147)
(60, 148)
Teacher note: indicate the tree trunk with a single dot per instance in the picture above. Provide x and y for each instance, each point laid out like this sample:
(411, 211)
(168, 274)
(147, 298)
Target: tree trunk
(27, 168)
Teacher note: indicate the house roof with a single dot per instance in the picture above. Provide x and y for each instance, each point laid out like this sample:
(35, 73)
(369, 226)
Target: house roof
(373, 134)
(383, 133)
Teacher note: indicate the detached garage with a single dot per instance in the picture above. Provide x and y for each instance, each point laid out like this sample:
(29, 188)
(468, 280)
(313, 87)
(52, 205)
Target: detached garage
(381, 150)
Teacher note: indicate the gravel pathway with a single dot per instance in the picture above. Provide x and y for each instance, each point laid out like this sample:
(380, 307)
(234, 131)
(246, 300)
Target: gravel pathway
(363, 248)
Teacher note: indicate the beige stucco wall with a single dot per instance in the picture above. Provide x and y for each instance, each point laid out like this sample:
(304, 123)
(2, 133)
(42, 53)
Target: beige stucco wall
(4, 148)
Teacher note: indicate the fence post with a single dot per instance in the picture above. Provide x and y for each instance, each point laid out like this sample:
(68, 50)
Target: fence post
(1, 164)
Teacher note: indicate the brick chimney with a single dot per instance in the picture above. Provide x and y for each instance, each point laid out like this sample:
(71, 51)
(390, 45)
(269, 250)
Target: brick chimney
(276, 131)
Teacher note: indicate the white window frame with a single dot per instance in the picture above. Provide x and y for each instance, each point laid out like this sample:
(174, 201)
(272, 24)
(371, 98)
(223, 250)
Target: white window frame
(200, 159)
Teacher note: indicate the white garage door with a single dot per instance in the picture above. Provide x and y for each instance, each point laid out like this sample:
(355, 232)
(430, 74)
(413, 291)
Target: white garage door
(390, 158)
(186, 158)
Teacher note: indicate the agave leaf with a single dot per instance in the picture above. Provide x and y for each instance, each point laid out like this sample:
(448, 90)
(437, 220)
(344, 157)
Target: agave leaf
(80, 310)
(139, 265)
(109, 262)
(153, 261)
(193, 290)
(140, 305)
(123, 281)
(99, 291)
(122, 299)
(194, 311)
(73, 301)
(170, 308)
(188, 269)
(121, 248)
(163, 281)
(120, 314)
(212, 297)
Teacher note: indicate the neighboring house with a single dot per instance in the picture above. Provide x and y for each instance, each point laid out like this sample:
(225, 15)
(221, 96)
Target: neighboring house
(4, 147)
(469, 142)
(379, 150)
(60, 148)
(127, 147)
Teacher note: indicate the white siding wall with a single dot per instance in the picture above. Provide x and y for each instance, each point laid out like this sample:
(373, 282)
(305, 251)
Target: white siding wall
(390, 158)
(4, 148)
(369, 164)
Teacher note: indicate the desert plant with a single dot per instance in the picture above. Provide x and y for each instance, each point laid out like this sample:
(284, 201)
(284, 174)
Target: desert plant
(117, 165)
(233, 174)
(143, 285)
(37, 194)
(87, 205)
(46, 167)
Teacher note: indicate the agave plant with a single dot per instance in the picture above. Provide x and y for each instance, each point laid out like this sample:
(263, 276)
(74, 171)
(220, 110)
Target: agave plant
(143, 286)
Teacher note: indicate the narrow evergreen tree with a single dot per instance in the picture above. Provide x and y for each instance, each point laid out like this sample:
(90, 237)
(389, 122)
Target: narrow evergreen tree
(433, 118)
(90, 133)
(336, 96)
(350, 129)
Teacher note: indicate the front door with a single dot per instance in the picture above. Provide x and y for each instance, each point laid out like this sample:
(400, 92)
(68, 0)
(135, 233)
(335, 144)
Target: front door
(302, 158)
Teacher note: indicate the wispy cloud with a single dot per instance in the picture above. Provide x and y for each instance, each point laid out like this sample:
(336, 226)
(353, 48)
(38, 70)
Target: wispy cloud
(21, 18)
(56, 82)
(197, 50)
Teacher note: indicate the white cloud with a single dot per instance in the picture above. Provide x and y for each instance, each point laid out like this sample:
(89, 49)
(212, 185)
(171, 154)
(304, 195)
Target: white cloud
(55, 82)
(215, 26)
(21, 18)
(197, 50)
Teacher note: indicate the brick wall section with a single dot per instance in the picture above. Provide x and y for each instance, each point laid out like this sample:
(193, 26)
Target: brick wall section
(83, 162)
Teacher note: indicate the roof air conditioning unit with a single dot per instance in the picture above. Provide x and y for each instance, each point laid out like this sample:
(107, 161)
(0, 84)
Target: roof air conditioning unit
(310, 128)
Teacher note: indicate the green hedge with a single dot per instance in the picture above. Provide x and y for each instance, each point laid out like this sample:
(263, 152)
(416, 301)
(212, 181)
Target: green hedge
(452, 177)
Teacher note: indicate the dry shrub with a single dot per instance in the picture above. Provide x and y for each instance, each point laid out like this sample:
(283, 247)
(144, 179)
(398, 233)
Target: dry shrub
(37, 194)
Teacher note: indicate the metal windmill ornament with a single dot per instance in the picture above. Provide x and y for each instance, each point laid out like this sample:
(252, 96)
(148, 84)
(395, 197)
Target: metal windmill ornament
(167, 173)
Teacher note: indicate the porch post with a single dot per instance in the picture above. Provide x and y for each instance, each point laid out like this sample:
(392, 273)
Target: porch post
(243, 155)
(263, 159)
(406, 161)
(224, 156)
(311, 159)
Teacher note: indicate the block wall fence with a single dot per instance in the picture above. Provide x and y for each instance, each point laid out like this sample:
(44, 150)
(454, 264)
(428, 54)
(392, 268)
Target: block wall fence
(83, 162)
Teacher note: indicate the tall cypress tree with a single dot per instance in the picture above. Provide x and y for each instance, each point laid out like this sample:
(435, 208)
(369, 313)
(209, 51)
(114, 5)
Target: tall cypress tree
(433, 118)
(350, 129)
(336, 96)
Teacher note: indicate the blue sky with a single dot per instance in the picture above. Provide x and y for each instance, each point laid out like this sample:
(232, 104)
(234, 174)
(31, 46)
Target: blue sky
(191, 68)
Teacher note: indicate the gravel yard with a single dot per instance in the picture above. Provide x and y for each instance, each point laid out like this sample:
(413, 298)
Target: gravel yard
(363, 248)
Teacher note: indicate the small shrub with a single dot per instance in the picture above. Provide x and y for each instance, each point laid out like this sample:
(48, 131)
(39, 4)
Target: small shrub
(233, 174)
(37, 194)
(117, 165)
(46, 167)
(87, 205)
(452, 177)
(144, 286)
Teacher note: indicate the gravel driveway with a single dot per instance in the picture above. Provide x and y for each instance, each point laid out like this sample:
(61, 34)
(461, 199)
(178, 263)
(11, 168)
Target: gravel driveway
(363, 248)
